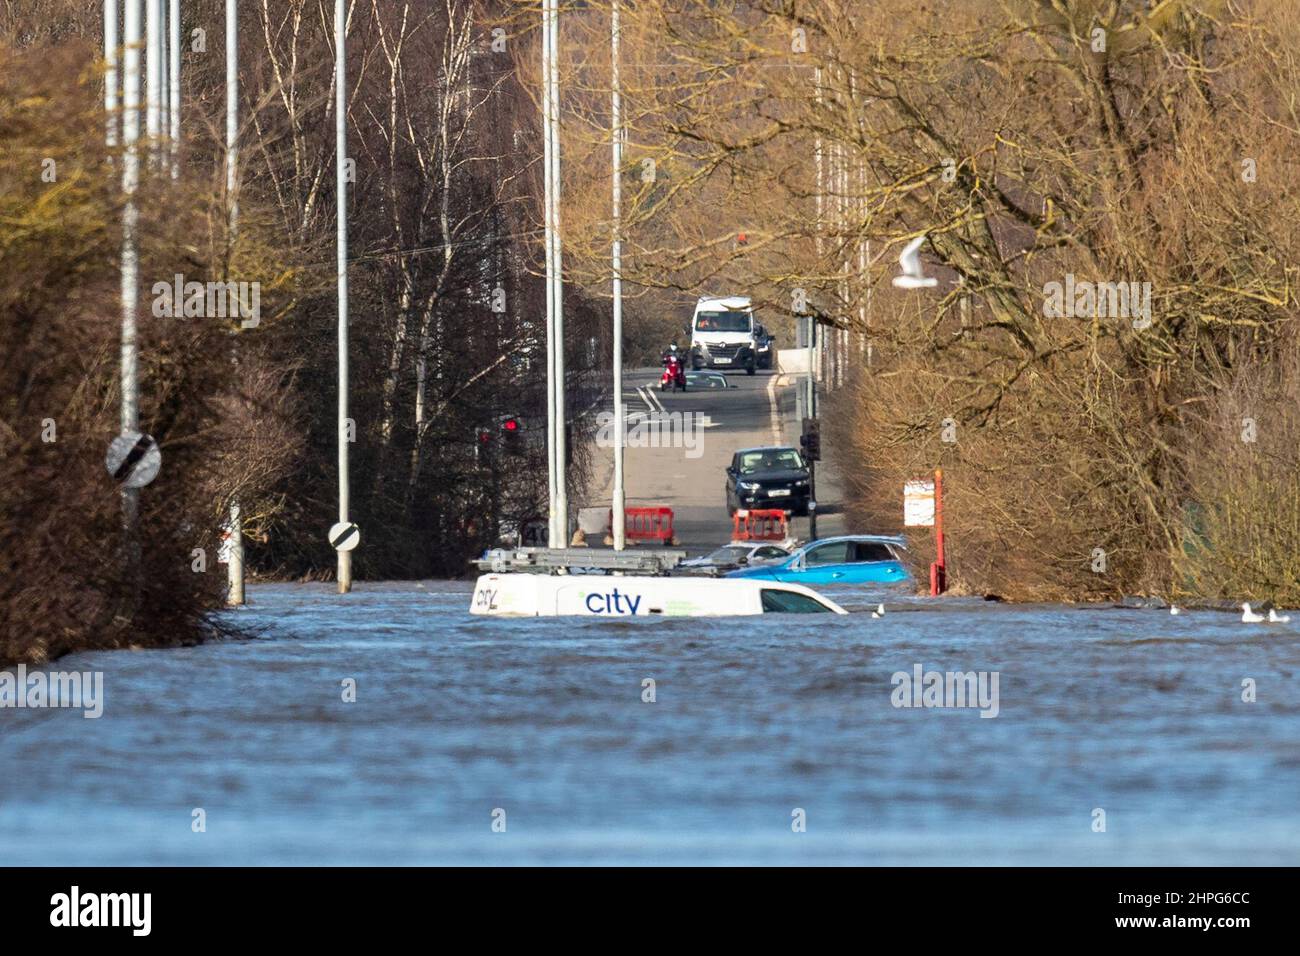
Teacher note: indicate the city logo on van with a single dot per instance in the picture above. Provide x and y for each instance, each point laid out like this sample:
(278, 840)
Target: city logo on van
(611, 602)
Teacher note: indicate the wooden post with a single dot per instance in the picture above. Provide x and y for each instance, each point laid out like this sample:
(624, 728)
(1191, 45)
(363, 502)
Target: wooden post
(938, 572)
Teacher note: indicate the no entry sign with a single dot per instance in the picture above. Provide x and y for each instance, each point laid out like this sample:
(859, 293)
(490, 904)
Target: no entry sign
(133, 459)
(344, 536)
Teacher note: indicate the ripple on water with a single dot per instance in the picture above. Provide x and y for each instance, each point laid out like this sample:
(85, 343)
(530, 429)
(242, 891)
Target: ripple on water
(456, 715)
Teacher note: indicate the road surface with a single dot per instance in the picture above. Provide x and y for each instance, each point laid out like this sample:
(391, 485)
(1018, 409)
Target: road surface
(758, 410)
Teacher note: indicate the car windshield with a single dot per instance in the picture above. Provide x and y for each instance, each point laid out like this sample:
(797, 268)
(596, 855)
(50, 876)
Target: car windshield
(701, 380)
(723, 321)
(788, 602)
(770, 459)
(837, 552)
(871, 551)
(843, 552)
(728, 555)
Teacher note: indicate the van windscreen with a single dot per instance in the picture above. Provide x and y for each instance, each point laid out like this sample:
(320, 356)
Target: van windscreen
(723, 321)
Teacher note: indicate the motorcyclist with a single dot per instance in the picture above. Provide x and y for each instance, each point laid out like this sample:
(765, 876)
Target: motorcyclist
(675, 363)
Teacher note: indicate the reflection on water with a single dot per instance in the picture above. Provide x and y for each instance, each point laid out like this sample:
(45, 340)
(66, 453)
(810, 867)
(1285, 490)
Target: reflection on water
(1136, 713)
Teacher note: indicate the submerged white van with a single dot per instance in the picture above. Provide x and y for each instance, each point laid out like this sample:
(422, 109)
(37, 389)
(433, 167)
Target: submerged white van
(607, 595)
(723, 334)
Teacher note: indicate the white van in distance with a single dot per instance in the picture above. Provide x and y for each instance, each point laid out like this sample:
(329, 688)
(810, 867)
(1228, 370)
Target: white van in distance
(723, 334)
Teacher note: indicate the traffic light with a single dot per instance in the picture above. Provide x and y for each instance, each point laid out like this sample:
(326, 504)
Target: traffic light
(811, 439)
(512, 435)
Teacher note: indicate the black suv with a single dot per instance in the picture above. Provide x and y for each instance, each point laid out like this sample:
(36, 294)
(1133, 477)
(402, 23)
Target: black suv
(768, 478)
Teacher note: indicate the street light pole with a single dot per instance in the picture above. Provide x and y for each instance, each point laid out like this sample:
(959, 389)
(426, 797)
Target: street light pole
(130, 215)
(616, 135)
(561, 419)
(174, 110)
(235, 523)
(153, 80)
(552, 539)
(341, 190)
(110, 73)
(130, 419)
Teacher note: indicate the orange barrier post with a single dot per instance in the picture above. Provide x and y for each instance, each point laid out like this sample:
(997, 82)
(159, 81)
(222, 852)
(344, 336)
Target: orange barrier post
(759, 524)
(647, 524)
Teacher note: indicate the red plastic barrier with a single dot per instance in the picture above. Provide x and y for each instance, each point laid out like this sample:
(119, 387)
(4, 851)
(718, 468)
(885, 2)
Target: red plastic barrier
(647, 524)
(759, 524)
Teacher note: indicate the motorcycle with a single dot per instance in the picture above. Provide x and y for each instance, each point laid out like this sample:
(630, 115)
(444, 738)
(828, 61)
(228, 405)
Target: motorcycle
(674, 374)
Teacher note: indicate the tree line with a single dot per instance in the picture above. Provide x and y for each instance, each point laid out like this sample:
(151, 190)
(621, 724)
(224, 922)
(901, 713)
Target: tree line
(1107, 367)
(447, 307)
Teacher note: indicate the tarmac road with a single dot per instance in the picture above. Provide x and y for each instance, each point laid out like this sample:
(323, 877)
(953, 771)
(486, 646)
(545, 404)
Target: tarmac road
(696, 439)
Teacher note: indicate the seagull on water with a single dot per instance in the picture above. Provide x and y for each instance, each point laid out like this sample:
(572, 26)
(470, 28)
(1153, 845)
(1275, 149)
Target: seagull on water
(1275, 618)
(1250, 617)
(913, 276)
(1174, 609)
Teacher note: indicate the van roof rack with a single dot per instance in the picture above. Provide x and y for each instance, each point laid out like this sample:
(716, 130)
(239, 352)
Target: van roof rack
(559, 560)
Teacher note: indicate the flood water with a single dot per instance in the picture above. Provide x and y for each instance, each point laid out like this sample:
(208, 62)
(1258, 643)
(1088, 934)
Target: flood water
(1131, 712)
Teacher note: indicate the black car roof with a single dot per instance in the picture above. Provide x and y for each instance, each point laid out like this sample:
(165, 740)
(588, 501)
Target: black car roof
(742, 451)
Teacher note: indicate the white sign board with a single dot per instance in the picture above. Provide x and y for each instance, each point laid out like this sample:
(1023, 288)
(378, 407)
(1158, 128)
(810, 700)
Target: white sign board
(918, 504)
(792, 361)
(594, 521)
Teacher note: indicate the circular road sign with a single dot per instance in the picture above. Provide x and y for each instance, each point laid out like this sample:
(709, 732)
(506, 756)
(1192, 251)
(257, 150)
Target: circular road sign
(133, 459)
(344, 536)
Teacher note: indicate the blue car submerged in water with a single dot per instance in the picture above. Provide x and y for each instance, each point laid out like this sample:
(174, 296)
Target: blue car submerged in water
(849, 559)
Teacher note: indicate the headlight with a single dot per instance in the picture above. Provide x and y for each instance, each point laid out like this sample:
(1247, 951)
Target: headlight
(749, 486)
(801, 483)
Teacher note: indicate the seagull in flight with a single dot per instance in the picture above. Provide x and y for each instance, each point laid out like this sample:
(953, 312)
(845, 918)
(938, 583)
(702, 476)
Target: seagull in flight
(913, 276)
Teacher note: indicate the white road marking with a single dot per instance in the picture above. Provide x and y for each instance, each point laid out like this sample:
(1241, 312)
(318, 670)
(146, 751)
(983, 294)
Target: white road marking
(776, 415)
(655, 402)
